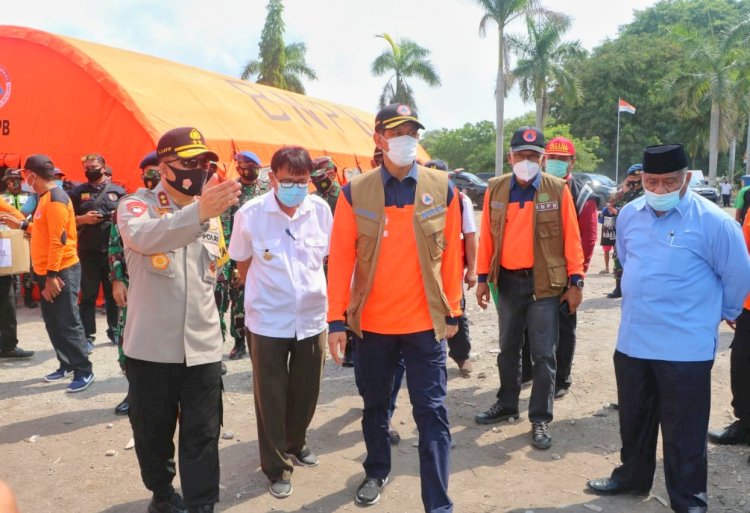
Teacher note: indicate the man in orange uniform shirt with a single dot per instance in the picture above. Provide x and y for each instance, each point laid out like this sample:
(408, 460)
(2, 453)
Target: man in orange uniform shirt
(394, 277)
(530, 248)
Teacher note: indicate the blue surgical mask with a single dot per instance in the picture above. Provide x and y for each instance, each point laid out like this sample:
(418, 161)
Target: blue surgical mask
(58, 183)
(663, 202)
(558, 168)
(291, 196)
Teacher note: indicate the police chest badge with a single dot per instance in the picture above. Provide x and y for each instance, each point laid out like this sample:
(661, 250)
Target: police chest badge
(212, 269)
(163, 210)
(85, 196)
(112, 196)
(160, 261)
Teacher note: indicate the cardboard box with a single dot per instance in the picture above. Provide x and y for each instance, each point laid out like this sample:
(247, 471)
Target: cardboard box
(15, 257)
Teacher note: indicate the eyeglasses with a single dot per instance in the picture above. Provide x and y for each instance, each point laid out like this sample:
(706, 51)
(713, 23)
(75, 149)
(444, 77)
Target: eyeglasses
(193, 163)
(288, 184)
(633, 183)
(151, 173)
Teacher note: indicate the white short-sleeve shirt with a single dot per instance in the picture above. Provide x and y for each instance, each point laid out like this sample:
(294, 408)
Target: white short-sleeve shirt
(285, 288)
(468, 224)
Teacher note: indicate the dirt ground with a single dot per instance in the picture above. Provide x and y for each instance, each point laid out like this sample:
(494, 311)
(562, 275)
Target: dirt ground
(494, 468)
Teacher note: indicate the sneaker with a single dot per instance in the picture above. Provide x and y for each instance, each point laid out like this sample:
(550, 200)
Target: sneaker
(369, 491)
(540, 435)
(495, 414)
(80, 383)
(281, 488)
(173, 504)
(305, 458)
(16, 352)
(58, 375)
(89, 347)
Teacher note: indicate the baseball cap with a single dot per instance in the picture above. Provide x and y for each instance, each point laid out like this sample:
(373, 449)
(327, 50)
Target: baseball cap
(185, 143)
(560, 146)
(394, 115)
(11, 173)
(41, 165)
(527, 138)
(149, 159)
(248, 156)
(664, 158)
(58, 172)
(436, 164)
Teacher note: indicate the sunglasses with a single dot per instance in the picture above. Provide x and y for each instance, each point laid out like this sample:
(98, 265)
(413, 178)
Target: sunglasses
(151, 173)
(633, 183)
(193, 163)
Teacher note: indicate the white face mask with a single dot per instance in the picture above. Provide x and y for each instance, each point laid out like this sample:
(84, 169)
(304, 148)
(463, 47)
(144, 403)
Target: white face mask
(525, 170)
(402, 150)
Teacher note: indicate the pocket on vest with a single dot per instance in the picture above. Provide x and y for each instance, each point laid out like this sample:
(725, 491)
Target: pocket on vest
(366, 247)
(433, 230)
(548, 229)
(558, 275)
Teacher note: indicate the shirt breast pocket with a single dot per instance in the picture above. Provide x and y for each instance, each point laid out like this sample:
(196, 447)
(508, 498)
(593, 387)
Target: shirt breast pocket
(210, 257)
(267, 252)
(315, 247)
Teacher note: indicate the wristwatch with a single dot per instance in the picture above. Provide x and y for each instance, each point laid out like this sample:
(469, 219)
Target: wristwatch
(576, 281)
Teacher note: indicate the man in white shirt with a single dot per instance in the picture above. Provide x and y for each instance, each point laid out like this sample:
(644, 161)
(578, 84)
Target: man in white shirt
(279, 241)
(726, 192)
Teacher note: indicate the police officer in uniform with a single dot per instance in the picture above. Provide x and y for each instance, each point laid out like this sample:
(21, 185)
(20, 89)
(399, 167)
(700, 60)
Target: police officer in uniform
(172, 337)
(94, 202)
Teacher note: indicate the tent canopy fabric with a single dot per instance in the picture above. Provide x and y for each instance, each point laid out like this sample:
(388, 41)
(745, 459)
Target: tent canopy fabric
(66, 98)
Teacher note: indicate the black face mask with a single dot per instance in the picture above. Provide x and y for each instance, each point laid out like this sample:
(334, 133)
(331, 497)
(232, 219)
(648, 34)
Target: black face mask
(249, 174)
(188, 181)
(93, 175)
(150, 183)
(323, 185)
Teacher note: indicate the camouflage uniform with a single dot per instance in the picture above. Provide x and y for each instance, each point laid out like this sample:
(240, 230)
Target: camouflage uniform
(118, 272)
(619, 200)
(228, 289)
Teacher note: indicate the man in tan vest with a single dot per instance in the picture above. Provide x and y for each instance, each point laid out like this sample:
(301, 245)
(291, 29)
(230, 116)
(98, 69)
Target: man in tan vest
(394, 277)
(530, 248)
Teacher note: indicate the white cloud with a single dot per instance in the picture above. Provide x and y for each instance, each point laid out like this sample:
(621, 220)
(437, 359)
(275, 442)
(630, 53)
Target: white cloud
(221, 35)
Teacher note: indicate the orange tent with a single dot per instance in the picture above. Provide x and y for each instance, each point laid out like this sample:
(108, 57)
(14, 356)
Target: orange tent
(66, 98)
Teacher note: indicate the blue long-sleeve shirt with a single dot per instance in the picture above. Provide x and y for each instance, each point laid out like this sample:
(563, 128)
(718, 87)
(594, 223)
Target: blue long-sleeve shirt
(683, 273)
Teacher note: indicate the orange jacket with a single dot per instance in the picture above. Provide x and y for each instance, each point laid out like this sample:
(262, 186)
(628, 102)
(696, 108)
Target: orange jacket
(54, 236)
(7, 207)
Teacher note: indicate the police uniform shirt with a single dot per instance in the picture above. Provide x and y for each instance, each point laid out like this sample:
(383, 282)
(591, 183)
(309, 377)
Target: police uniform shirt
(172, 261)
(285, 288)
(95, 237)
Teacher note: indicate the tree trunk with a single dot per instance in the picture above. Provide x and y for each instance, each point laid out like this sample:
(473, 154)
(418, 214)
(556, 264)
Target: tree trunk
(500, 102)
(747, 148)
(540, 111)
(732, 157)
(713, 142)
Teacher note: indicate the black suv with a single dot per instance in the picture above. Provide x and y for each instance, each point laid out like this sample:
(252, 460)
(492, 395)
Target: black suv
(471, 185)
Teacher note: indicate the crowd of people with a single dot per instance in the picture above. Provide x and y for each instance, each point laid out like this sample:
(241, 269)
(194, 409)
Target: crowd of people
(290, 276)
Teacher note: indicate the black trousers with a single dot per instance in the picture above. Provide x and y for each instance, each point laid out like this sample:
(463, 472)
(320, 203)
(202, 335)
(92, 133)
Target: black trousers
(63, 323)
(675, 396)
(566, 347)
(160, 394)
(459, 345)
(95, 272)
(739, 364)
(8, 325)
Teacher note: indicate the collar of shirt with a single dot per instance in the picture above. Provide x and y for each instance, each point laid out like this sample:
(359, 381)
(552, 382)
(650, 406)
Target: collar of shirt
(520, 194)
(271, 204)
(682, 207)
(387, 177)
(399, 193)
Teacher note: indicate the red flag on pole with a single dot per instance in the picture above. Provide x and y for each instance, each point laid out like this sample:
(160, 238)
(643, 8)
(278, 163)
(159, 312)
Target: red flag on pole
(625, 107)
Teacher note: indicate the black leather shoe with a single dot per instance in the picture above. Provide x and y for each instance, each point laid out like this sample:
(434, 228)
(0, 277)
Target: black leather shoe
(16, 352)
(735, 433)
(495, 414)
(208, 508)
(561, 392)
(28, 301)
(608, 486)
(173, 504)
(123, 408)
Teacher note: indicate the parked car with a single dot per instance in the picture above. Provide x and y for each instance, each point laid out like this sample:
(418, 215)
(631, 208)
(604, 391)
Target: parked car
(603, 186)
(699, 185)
(486, 176)
(471, 185)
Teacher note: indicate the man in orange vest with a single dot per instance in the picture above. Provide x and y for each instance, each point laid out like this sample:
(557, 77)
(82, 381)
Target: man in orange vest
(398, 224)
(530, 248)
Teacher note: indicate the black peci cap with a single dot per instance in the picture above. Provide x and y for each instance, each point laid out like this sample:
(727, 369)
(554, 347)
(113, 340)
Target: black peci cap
(664, 158)
(394, 115)
(527, 138)
(41, 165)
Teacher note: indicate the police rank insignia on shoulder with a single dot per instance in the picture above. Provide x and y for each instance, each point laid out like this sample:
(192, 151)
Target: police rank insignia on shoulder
(549, 205)
(163, 199)
(159, 261)
(85, 196)
(112, 196)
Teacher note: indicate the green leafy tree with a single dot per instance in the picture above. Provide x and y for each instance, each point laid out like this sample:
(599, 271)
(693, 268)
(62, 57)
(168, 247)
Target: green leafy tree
(541, 65)
(503, 12)
(403, 60)
(279, 65)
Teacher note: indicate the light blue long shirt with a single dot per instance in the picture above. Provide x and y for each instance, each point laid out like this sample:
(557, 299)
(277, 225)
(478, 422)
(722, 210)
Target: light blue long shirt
(683, 273)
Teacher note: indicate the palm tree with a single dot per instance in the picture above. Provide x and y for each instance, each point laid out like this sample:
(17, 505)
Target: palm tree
(404, 59)
(504, 12)
(278, 65)
(711, 84)
(541, 64)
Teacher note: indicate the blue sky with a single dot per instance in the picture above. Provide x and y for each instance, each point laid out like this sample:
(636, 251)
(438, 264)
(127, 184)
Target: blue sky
(221, 35)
